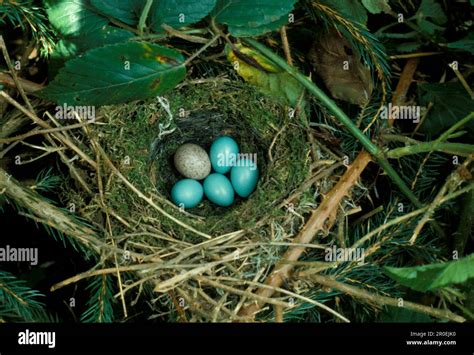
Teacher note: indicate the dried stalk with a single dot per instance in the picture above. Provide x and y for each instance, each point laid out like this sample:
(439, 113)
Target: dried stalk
(317, 222)
(377, 299)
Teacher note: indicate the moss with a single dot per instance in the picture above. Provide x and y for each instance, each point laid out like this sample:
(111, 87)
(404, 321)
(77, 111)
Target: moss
(132, 138)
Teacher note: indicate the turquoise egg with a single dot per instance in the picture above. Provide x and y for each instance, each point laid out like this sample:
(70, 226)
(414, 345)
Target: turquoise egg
(187, 193)
(223, 154)
(244, 177)
(218, 190)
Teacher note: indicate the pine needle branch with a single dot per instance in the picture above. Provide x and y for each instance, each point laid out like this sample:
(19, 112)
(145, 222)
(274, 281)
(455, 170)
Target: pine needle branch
(101, 301)
(17, 300)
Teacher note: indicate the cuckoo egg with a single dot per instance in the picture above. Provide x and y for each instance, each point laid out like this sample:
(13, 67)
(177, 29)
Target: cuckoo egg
(218, 190)
(223, 154)
(192, 161)
(244, 177)
(187, 193)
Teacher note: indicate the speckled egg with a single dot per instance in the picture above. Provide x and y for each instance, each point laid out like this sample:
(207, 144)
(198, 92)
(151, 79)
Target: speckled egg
(192, 161)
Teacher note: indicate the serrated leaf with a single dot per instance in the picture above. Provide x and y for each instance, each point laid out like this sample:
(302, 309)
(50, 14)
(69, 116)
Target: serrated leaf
(466, 44)
(430, 277)
(71, 47)
(430, 17)
(74, 17)
(431, 9)
(377, 6)
(264, 74)
(451, 104)
(178, 13)
(117, 73)
(252, 16)
(248, 31)
(127, 11)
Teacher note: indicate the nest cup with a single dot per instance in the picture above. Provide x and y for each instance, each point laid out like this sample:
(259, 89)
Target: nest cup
(260, 126)
(257, 227)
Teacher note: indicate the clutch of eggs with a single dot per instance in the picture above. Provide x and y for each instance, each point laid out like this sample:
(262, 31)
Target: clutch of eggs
(193, 162)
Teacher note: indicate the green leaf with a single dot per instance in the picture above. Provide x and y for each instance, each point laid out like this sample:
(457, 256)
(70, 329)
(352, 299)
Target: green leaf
(377, 6)
(248, 31)
(71, 47)
(127, 11)
(408, 47)
(451, 103)
(430, 17)
(352, 9)
(466, 44)
(430, 277)
(431, 9)
(178, 13)
(117, 73)
(252, 17)
(74, 17)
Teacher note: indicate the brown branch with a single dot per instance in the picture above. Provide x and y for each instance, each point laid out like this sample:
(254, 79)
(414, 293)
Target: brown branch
(3, 47)
(377, 299)
(28, 86)
(399, 96)
(317, 222)
(44, 131)
(286, 45)
(46, 212)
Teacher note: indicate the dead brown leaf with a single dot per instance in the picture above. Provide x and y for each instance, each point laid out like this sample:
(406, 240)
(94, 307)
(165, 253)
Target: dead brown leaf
(341, 69)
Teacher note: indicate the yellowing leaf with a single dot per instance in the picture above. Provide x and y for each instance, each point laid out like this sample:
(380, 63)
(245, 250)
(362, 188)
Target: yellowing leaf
(264, 74)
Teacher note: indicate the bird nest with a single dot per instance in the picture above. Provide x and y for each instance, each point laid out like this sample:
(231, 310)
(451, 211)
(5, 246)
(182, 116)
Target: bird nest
(201, 264)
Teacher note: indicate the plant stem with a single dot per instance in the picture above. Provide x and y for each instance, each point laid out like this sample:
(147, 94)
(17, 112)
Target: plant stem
(455, 127)
(202, 49)
(143, 16)
(341, 116)
(425, 147)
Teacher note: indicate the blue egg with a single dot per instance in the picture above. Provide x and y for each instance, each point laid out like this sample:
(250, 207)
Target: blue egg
(244, 177)
(218, 190)
(187, 193)
(223, 154)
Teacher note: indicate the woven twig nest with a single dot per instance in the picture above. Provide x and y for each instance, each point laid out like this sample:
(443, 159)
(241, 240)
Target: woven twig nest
(205, 256)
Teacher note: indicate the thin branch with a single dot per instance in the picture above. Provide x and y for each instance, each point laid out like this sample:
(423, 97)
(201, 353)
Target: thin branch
(202, 49)
(381, 300)
(44, 131)
(187, 37)
(317, 222)
(429, 147)
(286, 45)
(13, 74)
